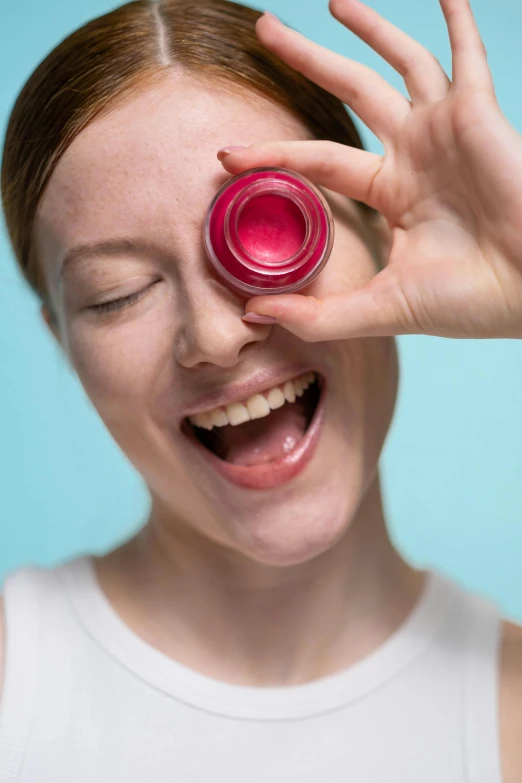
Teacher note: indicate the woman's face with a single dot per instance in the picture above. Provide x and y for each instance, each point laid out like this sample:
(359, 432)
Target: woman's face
(147, 171)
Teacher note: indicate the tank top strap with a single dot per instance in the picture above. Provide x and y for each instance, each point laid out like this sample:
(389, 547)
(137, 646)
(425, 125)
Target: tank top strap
(482, 637)
(22, 596)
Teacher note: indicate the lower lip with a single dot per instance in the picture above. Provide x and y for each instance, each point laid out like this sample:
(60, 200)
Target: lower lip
(272, 474)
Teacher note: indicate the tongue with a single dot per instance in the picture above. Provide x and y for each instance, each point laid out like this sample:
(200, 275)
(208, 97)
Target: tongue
(262, 440)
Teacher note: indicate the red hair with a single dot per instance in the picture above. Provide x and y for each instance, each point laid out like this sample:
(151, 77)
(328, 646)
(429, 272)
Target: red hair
(118, 53)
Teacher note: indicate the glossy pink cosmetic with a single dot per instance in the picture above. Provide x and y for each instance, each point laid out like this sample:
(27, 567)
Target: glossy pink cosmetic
(268, 231)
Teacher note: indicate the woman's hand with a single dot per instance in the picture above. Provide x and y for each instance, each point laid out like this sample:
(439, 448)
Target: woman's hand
(449, 184)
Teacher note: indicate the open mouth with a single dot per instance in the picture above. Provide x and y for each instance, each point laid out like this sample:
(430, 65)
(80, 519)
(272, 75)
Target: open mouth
(266, 439)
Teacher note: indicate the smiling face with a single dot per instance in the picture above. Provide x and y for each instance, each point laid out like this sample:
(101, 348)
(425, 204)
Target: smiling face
(147, 171)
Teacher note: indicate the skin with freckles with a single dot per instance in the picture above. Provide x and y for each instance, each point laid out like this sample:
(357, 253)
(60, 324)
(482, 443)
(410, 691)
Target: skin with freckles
(274, 587)
(148, 170)
(154, 177)
(286, 585)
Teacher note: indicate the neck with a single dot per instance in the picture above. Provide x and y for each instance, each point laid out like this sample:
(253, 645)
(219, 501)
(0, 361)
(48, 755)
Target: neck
(251, 624)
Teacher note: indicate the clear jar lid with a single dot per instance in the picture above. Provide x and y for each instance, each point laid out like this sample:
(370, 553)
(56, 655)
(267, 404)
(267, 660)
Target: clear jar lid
(268, 230)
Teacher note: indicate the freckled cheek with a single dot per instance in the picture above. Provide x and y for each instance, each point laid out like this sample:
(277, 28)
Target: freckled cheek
(118, 369)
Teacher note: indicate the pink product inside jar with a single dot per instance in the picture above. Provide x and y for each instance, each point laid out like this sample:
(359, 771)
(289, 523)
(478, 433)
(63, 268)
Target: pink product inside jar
(267, 231)
(271, 228)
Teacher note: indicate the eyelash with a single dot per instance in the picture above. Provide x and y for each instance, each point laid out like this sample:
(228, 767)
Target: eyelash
(120, 304)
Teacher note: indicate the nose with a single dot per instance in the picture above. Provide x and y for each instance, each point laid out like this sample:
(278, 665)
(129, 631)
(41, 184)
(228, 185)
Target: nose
(211, 330)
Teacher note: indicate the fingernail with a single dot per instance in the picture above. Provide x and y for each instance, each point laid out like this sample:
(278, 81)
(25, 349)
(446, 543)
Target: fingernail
(227, 150)
(269, 13)
(259, 319)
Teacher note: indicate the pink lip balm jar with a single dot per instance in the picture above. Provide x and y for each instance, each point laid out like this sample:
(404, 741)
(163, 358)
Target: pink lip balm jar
(268, 230)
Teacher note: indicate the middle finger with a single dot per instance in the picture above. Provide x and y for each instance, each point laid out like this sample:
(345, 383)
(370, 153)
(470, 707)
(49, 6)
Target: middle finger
(383, 108)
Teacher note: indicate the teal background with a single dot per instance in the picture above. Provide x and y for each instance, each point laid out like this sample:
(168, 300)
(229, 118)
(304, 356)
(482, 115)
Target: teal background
(452, 465)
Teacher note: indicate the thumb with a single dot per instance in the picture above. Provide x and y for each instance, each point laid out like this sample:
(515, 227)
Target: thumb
(373, 311)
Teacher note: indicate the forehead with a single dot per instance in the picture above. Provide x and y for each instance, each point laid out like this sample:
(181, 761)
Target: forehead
(152, 158)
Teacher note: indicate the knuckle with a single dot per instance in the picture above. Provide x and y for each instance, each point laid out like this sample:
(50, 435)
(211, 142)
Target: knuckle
(310, 326)
(353, 94)
(407, 64)
(412, 62)
(268, 151)
(300, 58)
(327, 163)
(434, 60)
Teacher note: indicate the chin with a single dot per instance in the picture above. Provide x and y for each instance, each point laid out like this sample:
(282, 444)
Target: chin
(294, 533)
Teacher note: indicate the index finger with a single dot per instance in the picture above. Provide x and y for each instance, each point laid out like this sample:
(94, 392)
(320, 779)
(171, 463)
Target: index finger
(338, 167)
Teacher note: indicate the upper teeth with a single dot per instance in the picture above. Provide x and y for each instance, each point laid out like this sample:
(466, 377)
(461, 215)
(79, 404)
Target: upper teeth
(255, 407)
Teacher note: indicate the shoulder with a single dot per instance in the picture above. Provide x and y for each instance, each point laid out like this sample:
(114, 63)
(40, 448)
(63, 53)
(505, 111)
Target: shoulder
(511, 702)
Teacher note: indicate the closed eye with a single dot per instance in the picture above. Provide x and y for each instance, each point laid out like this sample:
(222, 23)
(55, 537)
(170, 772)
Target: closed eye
(120, 303)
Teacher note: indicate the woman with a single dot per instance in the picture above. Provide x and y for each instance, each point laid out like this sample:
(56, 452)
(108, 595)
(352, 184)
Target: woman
(261, 625)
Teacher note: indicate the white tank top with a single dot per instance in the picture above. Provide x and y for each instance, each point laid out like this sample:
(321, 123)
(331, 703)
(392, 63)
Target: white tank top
(86, 700)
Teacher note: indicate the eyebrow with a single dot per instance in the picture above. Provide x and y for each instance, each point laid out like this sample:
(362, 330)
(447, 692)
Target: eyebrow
(108, 247)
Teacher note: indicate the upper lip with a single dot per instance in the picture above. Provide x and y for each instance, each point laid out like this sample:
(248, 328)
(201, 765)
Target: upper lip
(260, 381)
